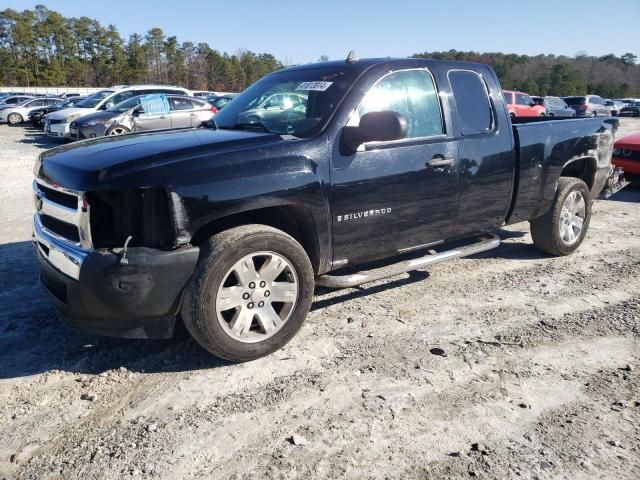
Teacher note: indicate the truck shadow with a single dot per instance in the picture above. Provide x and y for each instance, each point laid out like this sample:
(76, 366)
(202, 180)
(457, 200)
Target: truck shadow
(33, 340)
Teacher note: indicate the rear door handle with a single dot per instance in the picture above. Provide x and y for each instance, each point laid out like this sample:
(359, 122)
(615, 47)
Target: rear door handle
(438, 161)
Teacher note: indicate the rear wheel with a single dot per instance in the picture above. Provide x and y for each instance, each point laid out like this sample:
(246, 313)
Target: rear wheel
(117, 130)
(593, 114)
(250, 293)
(562, 229)
(14, 119)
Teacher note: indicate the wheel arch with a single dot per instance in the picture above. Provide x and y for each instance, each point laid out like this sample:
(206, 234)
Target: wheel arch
(295, 220)
(583, 168)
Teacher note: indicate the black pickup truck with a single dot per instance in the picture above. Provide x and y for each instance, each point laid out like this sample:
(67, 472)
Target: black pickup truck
(304, 179)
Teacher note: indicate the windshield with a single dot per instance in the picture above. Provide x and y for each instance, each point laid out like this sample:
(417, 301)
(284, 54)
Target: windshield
(296, 102)
(93, 100)
(575, 100)
(126, 105)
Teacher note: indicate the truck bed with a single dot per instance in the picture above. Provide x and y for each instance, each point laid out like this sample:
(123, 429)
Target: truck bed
(537, 162)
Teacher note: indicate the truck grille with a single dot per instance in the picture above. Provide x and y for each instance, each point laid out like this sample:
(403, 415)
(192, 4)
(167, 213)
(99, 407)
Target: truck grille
(66, 199)
(63, 213)
(60, 228)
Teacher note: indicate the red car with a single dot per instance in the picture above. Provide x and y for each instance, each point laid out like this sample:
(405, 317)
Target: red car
(522, 105)
(626, 154)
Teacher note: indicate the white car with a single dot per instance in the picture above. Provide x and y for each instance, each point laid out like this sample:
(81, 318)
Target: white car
(57, 123)
(18, 113)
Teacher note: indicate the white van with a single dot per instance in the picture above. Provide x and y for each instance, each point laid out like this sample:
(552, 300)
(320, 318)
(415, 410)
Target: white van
(57, 123)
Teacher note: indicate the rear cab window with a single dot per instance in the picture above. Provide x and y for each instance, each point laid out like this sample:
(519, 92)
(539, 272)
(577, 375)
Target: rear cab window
(471, 97)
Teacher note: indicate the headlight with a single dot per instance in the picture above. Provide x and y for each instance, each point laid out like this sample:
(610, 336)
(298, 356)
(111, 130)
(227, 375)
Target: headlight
(93, 123)
(616, 151)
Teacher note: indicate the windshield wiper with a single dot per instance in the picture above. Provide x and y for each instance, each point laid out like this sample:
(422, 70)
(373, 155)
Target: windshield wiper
(251, 126)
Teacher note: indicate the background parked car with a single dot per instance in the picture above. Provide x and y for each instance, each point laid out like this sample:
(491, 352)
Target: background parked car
(37, 115)
(555, 106)
(614, 105)
(57, 123)
(129, 116)
(203, 93)
(18, 113)
(521, 104)
(13, 99)
(220, 102)
(272, 106)
(626, 154)
(588, 105)
(631, 110)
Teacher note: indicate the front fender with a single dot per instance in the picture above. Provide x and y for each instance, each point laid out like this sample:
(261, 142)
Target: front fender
(292, 182)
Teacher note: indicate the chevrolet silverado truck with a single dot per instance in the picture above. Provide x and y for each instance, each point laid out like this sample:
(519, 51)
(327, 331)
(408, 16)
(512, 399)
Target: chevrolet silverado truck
(384, 166)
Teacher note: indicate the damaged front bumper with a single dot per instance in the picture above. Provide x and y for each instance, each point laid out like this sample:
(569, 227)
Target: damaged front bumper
(614, 183)
(95, 292)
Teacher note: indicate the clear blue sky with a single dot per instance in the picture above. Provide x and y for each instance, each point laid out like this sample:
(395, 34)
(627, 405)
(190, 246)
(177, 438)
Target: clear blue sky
(301, 31)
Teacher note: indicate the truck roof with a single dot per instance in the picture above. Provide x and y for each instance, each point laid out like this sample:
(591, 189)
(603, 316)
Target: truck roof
(363, 64)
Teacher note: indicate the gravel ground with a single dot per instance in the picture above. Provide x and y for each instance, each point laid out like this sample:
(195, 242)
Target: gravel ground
(538, 376)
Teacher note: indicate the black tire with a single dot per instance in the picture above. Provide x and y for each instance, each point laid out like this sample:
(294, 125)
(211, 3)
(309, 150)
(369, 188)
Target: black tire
(217, 256)
(14, 119)
(545, 230)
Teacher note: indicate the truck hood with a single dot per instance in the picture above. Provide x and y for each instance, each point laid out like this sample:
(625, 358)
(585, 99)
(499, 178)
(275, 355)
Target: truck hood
(67, 112)
(94, 164)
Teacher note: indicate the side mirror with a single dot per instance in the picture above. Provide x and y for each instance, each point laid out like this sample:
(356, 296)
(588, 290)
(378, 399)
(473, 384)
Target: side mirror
(375, 127)
(136, 113)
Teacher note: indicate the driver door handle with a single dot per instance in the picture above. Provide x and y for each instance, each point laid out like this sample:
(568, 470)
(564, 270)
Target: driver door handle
(438, 161)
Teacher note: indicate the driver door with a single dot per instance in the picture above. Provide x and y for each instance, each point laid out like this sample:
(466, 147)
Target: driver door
(396, 196)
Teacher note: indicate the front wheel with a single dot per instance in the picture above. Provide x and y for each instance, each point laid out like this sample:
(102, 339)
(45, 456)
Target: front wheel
(14, 119)
(117, 130)
(250, 293)
(562, 229)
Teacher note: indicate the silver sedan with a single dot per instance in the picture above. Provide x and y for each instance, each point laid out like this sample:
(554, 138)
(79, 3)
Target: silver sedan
(15, 114)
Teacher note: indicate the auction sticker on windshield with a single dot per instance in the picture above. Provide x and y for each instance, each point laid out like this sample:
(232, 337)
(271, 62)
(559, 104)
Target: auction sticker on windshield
(314, 86)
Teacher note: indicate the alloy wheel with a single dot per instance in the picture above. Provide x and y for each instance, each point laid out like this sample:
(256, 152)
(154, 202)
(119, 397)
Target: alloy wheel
(257, 296)
(572, 217)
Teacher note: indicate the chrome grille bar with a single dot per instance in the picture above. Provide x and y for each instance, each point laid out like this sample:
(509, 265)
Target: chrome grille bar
(78, 217)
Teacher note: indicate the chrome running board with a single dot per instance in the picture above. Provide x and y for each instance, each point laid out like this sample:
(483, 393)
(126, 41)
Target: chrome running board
(484, 243)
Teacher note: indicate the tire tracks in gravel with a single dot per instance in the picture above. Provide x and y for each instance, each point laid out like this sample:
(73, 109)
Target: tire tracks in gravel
(367, 395)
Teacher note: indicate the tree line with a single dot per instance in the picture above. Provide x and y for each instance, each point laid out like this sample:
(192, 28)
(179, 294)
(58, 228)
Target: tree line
(609, 76)
(40, 47)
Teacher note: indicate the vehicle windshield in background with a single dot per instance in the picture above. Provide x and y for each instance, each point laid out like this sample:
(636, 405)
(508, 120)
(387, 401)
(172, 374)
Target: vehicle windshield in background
(575, 100)
(93, 100)
(126, 105)
(220, 102)
(296, 102)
